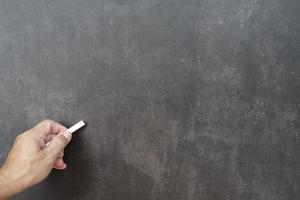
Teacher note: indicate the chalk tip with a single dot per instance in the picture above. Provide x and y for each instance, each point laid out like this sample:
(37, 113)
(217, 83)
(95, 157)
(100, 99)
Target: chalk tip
(81, 122)
(77, 126)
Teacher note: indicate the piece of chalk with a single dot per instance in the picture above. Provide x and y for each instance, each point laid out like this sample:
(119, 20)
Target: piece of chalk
(76, 127)
(73, 128)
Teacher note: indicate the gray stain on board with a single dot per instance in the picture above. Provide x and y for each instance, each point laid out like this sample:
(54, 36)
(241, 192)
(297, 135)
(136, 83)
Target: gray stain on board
(184, 99)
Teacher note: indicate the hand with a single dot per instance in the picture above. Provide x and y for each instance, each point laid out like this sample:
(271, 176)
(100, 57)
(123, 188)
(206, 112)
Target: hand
(31, 159)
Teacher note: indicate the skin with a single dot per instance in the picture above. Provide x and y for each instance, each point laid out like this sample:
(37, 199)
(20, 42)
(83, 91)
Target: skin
(30, 160)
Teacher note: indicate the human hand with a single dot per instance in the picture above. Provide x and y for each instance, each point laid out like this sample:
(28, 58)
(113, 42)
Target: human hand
(30, 160)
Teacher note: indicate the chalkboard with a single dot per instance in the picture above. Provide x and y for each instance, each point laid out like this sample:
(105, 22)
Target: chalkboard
(184, 99)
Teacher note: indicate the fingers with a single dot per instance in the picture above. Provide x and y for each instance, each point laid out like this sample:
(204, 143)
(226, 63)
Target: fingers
(55, 138)
(48, 127)
(60, 164)
(49, 138)
(58, 143)
(61, 154)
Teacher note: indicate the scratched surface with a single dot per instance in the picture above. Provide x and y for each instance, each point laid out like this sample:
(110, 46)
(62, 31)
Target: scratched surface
(184, 99)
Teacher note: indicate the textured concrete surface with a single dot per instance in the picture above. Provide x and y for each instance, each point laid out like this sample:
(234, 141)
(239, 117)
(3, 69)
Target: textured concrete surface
(184, 99)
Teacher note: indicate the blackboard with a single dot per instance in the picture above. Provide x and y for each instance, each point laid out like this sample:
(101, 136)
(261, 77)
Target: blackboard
(184, 99)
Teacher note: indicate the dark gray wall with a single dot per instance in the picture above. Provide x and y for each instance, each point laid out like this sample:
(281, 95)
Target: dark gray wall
(184, 99)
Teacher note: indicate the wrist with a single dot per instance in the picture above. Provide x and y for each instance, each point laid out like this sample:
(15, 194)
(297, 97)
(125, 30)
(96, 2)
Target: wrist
(9, 183)
(5, 185)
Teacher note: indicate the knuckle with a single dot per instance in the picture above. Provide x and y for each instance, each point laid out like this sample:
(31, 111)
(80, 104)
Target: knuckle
(19, 137)
(47, 122)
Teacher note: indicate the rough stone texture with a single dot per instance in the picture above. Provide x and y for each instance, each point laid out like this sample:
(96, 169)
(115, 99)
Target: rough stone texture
(184, 99)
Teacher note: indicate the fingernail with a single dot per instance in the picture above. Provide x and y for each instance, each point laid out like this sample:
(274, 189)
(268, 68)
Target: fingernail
(68, 135)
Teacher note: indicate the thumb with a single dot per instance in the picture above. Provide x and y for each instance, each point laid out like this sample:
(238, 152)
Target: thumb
(59, 142)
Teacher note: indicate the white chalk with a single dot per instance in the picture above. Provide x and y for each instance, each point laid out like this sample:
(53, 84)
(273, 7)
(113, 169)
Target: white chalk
(73, 128)
(76, 127)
